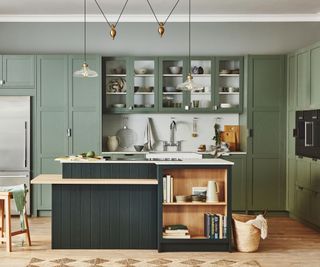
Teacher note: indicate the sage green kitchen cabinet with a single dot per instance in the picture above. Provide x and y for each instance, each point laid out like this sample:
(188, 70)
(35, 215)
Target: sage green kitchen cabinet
(68, 114)
(17, 71)
(302, 203)
(52, 119)
(84, 107)
(315, 176)
(314, 76)
(139, 76)
(266, 160)
(170, 99)
(315, 208)
(229, 73)
(303, 172)
(239, 181)
(303, 79)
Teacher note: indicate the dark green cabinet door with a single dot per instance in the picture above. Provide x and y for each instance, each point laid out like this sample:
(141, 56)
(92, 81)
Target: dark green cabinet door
(52, 119)
(18, 71)
(315, 77)
(303, 79)
(85, 108)
(266, 145)
(239, 192)
(303, 173)
(302, 203)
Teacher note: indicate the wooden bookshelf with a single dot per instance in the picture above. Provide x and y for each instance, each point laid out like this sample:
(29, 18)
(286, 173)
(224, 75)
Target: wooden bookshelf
(191, 214)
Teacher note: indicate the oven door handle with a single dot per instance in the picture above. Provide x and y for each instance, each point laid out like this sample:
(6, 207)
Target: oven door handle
(306, 143)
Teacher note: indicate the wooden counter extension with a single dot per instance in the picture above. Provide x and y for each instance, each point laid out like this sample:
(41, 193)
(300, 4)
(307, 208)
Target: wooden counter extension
(57, 179)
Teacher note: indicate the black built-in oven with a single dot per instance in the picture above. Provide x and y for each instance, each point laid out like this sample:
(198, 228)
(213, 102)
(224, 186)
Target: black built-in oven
(307, 133)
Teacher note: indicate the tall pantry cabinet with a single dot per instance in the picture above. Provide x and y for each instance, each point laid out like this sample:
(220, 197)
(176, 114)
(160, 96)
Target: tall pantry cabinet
(68, 116)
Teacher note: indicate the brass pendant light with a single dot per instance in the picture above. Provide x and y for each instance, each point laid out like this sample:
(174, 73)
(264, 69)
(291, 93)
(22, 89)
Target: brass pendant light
(189, 84)
(161, 28)
(113, 31)
(85, 71)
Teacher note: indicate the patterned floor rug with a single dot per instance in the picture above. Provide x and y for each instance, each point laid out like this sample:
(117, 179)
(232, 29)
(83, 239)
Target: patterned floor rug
(157, 262)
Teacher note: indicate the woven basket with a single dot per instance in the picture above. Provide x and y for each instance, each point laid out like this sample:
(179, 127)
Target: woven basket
(246, 236)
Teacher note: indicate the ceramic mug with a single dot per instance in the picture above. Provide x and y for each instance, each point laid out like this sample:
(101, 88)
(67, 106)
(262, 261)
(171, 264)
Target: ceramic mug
(212, 191)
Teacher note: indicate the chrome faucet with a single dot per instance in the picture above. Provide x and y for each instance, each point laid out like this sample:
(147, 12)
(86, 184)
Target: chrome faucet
(173, 127)
(172, 142)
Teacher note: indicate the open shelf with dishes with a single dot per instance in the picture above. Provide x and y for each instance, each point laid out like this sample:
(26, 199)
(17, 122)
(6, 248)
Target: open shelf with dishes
(151, 84)
(195, 207)
(130, 84)
(229, 83)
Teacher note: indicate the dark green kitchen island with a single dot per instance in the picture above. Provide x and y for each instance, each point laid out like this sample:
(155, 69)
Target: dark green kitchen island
(119, 204)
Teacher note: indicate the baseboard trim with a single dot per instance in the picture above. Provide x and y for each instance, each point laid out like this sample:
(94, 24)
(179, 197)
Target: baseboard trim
(306, 223)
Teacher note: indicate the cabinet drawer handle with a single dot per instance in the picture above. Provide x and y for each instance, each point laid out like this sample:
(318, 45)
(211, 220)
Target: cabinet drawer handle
(300, 187)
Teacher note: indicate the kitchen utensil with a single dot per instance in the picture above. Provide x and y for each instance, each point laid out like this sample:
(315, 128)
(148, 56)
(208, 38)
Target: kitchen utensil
(213, 191)
(236, 130)
(175, 69)
(198, 198)
(225, 105)
(195, 103)
(120, 105)
(182, 199)
(195, 127)
(127, 137)
(170, 89)
(138, 148)
(141, 71)
(195, 70)
(112, 143)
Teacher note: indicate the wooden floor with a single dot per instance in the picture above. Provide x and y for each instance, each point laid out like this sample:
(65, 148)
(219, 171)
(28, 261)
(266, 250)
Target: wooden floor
(289, 244)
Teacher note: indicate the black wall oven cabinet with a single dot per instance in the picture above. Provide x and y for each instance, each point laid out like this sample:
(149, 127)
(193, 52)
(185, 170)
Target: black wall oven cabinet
(307, 133)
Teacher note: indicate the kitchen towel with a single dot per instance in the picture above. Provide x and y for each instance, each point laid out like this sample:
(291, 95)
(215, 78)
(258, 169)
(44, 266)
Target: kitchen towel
(19, 193)
(261, 223)
(149, 139)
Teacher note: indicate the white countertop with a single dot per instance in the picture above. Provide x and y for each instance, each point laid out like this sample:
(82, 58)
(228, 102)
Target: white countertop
(216, 161)
(173, 152)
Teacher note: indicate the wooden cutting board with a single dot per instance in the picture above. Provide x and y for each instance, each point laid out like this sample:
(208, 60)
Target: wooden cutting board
(236, 130)
(230, 138)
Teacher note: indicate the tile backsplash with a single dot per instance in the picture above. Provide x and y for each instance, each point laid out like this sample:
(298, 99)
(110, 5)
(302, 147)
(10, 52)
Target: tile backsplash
(161, 127)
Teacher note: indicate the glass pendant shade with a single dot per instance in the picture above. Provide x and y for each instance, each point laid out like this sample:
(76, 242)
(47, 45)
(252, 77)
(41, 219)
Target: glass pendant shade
(85, 72)
(189, 85)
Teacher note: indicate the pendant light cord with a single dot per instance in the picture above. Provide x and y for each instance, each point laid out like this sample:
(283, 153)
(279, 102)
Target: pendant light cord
(85, 30)
(154, 14)
(189, 37)
(105, 17)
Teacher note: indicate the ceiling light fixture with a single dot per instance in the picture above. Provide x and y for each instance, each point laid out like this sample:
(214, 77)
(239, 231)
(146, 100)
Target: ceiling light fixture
(113, 31)
(189, 84)
(85, 71)
(161, 24)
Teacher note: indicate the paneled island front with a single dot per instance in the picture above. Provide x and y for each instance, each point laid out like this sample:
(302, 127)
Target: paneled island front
(106, 204)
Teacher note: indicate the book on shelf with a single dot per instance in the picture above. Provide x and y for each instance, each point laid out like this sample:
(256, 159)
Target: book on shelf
(176, 231)
(167, 189)
(215, 226)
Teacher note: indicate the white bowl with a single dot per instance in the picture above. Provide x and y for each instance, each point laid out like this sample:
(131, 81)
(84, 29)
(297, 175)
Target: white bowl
(170, 89)
(225, 105)
(175, 69)
(141, 71)
(118, 105)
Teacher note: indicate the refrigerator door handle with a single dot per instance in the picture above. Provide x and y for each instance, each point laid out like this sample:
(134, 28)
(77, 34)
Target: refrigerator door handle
(13, 176)
(25, 144)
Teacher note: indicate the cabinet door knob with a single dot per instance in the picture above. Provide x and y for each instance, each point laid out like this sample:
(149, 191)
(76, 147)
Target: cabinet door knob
(186, 107)
(69, 132)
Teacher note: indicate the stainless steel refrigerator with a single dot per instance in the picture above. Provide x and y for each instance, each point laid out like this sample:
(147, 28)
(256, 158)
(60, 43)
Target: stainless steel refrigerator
(15, 142)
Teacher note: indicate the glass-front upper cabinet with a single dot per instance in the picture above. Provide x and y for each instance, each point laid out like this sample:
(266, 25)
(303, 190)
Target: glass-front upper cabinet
(202, 71)
(229, 84)
(145, 84)
(172, 72)
(116, 84)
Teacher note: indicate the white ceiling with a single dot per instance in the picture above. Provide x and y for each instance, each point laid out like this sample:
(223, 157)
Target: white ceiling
(307, 9)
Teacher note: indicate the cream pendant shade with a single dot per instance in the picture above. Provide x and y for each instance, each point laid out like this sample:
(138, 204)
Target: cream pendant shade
(85, 72)
(189, 84)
